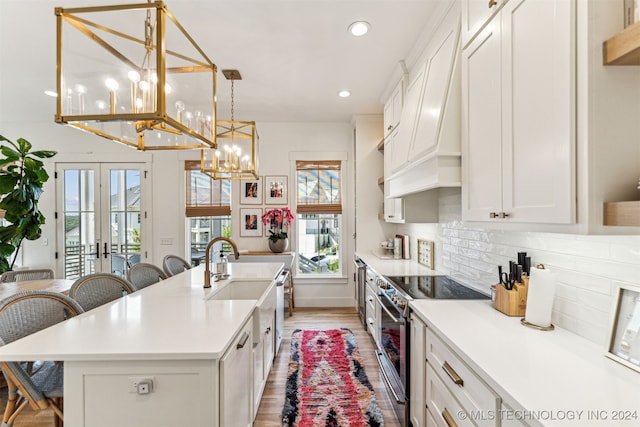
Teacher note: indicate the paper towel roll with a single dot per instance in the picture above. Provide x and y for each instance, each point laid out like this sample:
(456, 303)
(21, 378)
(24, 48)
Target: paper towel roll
(540, 297)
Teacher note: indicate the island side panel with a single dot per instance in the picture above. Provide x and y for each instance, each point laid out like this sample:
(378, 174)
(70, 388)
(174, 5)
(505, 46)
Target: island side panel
(99, 393)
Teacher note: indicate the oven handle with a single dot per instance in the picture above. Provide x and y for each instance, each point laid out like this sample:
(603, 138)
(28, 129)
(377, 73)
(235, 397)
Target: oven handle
(395, 319)
(388, 382)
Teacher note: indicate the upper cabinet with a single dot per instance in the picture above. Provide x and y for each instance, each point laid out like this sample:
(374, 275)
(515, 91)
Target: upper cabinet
(550, 134)
(393, 109)
(518, 91)
(475, 15)
(426, 149)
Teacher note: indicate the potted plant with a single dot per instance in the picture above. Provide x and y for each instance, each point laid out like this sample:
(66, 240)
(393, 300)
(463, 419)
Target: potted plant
(22, 176)
(279, 220)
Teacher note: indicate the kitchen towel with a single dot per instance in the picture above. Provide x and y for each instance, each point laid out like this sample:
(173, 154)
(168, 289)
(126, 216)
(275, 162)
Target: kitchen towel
(540, 297)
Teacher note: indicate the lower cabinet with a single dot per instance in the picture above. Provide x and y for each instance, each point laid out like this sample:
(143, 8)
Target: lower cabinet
(235, 381)
(444, 390)
(371, 313)
(417, 407)
(262, 361)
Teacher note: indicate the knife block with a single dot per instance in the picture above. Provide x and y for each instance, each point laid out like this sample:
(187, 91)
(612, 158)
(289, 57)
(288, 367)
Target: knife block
(512, 302)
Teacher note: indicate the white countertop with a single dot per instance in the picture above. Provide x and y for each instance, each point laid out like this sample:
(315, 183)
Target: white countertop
(395, 267)
(533, 370)
(168, 320)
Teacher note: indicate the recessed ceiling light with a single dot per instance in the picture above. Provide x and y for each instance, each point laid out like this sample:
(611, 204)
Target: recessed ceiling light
(51, 93)
(344, 94)
(359, 28)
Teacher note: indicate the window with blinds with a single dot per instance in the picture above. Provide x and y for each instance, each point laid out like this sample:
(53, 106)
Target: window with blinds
(208, 209)
(319, 186)
(319, 217)
(205, 196)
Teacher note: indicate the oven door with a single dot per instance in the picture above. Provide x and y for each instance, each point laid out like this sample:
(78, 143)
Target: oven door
(392, 352)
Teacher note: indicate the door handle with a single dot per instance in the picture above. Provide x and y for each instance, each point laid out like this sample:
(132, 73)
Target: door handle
(105, 250)
(97, 252)
(243, 341)
(492, 3)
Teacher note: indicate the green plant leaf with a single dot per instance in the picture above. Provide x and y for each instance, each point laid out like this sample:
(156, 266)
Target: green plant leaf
(24, 145)
(10, 153)
(7, 183)
(44, 154)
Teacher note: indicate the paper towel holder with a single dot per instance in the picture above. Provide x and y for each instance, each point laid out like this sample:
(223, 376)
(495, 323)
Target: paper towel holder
(524, 322)
(540, 328)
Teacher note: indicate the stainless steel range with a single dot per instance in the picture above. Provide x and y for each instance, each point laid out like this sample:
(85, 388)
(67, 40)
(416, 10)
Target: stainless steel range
(394, 294)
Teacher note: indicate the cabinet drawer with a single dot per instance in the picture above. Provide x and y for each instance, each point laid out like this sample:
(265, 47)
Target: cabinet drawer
(442, 406)
(472, 393)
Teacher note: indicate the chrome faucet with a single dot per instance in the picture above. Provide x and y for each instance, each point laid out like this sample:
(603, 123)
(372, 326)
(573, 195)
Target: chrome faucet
(207, 271)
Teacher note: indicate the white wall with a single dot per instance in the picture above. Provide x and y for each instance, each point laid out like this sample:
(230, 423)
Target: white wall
(588, 269)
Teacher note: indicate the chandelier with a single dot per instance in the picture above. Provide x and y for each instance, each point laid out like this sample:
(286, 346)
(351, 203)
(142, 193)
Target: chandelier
(132, 74)
(236, 156)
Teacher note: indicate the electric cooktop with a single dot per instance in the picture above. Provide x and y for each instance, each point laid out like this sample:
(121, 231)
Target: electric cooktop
(435, 287)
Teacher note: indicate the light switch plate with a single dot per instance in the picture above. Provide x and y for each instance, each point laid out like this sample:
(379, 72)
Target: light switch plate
(425, 253)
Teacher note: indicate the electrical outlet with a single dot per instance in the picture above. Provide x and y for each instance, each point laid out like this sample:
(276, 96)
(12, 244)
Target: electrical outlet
(45, 241)
(141, 385)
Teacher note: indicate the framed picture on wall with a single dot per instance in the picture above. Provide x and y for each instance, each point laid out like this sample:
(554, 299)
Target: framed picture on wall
(275, 190)
(250, 224)
(251, 192)
(624, 339)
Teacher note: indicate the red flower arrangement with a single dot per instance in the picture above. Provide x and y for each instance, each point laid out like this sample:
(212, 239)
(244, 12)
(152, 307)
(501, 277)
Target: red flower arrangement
(278, 219)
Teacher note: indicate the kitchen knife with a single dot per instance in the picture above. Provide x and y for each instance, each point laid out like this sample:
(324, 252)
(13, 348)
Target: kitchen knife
(526, 267)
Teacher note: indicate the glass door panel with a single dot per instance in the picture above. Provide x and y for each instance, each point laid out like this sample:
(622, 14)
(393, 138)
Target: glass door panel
(101, 212)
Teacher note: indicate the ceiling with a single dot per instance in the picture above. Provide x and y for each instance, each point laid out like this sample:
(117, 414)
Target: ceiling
(294, 56)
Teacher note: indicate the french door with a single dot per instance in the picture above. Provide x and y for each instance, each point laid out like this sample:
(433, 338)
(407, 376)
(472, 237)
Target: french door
(100, 216)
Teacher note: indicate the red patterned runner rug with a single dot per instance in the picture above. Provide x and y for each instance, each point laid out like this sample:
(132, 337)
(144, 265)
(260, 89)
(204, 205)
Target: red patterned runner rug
(326, 382)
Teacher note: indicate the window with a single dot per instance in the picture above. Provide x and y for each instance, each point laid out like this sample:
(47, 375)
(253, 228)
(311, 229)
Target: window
(319, 211)
(208, 209)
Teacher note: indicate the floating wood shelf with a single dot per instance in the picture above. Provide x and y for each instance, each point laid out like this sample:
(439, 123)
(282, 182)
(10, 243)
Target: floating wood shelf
(381, 145)
(622, 213)
(623, 48)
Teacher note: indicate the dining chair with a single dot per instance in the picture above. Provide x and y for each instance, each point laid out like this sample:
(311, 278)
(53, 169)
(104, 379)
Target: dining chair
(119, 265)
(28, 274)
(143, 274)
(173, 264)
(20, 315)
(96, 289)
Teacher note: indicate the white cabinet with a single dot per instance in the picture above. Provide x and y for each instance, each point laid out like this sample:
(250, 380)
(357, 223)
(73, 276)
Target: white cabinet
(475, 14)
(393, 109)
(371, 313)
(393, 206)
(519, 116)
(263, 353)
(235, 381)
(417, 406)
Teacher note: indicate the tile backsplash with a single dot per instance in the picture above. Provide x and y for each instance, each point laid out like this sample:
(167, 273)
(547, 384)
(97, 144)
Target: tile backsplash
(588, 269)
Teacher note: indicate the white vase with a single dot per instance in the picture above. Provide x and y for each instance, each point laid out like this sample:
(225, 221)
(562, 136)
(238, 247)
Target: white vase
(279, 245)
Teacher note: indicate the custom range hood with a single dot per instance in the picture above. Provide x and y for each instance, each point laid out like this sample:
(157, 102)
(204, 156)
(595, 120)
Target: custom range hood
(426, 151)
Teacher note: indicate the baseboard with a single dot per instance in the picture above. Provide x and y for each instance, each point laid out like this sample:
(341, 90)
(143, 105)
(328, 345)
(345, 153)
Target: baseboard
(324, 302)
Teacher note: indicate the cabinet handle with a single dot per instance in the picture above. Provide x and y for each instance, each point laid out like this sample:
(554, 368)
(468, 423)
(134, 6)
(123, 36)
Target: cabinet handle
(448, 418)
(243, 341)
(389, 127)
(503, 215)
(452, 374)
(492, 3)
(493, 215)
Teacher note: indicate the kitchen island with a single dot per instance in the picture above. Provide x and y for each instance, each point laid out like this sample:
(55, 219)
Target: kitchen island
(162, 356)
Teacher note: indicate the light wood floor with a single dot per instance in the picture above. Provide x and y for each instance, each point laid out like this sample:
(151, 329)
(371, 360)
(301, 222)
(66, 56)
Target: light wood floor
(269, 412)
